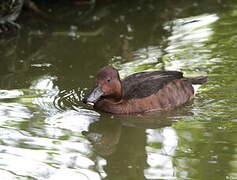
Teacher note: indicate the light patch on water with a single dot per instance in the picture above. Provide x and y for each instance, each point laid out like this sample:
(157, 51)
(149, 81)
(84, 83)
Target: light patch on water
(45, 102)
(71, 120)
(188, 37)
(170, 140)
(142, 57)
(41, 65)
(44, 83)
(8, 94)
(6, 175)
(24, 165)
(101, 163)
(191, 26)
(8, 112)
(41, 93)
(50, 158)
(196, 87)
(160, 160)
(83, 174)
(37, 164)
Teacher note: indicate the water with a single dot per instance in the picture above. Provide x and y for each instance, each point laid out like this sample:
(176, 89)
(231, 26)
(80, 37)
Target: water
(47, 133)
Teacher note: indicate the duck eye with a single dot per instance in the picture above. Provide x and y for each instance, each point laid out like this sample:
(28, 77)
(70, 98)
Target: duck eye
(108, 80)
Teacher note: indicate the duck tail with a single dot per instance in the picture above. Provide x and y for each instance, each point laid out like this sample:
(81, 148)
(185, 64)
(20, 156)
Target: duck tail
(198, 80)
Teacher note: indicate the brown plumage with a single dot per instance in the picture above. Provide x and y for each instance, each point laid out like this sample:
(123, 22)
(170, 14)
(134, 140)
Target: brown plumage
(141, 92)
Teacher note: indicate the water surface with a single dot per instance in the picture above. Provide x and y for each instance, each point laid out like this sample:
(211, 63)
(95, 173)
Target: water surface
(46, 132)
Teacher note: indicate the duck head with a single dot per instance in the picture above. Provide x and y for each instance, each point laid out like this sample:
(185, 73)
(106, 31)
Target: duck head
(108, 85)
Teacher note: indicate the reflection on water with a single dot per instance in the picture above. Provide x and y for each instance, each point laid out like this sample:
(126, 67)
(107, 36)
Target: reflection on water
(190, 32)
(160, 150)
(47, 133)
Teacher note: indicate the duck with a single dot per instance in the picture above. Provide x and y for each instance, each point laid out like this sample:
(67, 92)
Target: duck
(141, 92)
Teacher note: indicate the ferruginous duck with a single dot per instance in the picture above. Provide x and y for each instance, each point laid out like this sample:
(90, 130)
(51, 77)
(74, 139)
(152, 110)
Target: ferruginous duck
(142, 91)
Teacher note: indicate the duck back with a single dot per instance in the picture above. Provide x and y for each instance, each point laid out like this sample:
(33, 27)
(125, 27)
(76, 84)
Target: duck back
(143, 84)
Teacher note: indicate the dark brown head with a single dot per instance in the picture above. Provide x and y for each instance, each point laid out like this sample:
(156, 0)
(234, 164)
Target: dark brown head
(108, 85)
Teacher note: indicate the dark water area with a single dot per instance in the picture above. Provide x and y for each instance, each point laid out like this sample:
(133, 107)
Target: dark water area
(46, 132)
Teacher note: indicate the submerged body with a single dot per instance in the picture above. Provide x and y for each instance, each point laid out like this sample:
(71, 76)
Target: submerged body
(141, 92)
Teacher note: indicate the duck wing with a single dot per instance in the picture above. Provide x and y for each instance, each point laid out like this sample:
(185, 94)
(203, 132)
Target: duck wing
(144, 84)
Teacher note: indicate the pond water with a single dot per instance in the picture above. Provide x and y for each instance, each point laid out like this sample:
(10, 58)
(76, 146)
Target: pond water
(46, 132)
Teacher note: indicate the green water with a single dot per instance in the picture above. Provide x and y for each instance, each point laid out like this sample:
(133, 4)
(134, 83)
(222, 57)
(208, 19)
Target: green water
(47, 133)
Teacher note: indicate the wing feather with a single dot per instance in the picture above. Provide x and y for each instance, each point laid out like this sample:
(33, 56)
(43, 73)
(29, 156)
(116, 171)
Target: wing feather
(144, 84)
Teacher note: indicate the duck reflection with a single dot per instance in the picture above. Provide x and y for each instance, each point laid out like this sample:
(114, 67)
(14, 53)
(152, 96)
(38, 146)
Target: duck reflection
(105, 136)
(125, 142)
(123, 148)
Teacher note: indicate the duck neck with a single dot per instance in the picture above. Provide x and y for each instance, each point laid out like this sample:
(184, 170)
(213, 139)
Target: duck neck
(117, 96)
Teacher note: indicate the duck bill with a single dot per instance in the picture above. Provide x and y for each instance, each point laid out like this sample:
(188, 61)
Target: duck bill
(94, 96)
